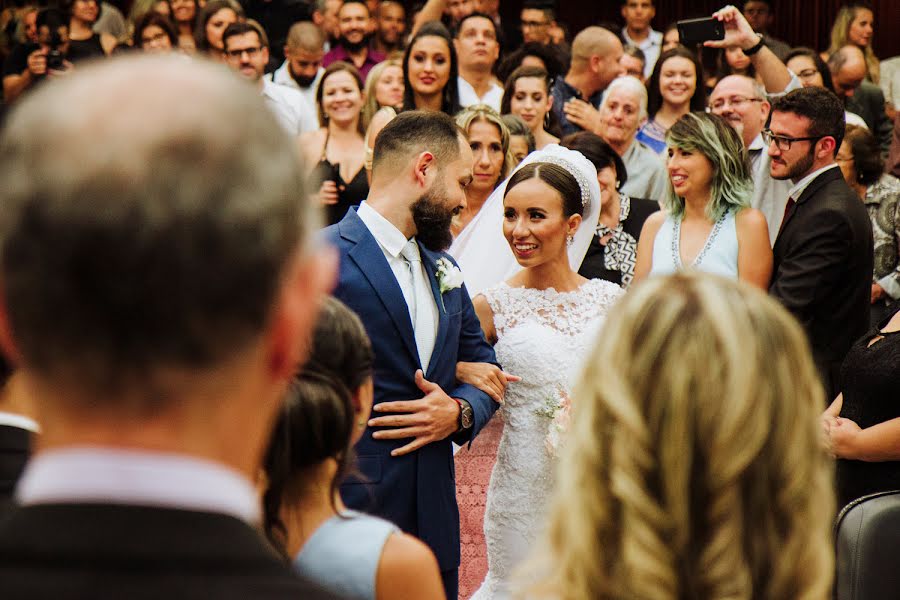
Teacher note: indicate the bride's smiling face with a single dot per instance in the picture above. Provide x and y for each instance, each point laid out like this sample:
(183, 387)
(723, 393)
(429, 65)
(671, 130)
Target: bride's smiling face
(534, 223)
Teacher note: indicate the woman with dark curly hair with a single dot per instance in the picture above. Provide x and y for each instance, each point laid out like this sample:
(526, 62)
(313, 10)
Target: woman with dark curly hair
(358, 556)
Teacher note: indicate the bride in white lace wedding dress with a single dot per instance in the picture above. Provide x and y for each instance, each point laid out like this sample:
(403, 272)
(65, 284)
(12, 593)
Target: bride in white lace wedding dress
(541, 321)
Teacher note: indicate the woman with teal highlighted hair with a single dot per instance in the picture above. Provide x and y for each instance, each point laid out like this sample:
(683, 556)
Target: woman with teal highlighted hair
(707, 223)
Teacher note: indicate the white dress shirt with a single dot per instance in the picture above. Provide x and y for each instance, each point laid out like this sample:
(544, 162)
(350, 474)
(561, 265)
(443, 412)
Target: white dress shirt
(290, 108)
(392, 242)
(114, 476)
(20, 421)
(468, 97)
(282, 76)
(651, 47)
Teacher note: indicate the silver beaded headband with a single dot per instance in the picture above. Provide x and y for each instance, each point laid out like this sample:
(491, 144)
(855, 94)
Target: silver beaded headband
(572, 170)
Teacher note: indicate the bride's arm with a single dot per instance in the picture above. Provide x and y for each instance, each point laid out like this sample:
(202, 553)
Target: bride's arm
(487, 377)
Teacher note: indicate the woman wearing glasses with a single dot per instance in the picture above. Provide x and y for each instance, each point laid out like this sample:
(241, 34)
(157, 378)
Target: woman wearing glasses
(706, 223)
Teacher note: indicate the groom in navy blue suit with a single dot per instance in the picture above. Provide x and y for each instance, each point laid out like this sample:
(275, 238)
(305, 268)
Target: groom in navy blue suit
(405, 460)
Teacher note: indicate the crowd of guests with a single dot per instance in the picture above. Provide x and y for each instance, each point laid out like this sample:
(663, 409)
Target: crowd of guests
(731, 216)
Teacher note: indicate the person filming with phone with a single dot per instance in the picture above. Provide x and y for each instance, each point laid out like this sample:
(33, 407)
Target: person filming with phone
(30, 63)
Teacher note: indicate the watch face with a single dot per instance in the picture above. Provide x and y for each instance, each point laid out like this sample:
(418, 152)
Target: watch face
(467, 417)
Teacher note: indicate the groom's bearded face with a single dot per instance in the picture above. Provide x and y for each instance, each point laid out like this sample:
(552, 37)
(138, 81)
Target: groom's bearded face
(432, 215)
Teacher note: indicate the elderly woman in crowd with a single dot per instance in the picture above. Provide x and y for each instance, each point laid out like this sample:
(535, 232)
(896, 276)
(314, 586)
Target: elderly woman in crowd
(675, 89)
(154, 32)
(611, 255)
(360, 557)
(860, 160)
(664, 490)
(527, 95)
(337, 149)
(521, 139)
(214, 17)
(623, 111)
(707, 223)
(489, 140)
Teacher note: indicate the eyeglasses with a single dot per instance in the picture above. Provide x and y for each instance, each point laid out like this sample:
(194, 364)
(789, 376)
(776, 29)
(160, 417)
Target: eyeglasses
(734, 101)
(237, 53)
(534, 24)
(808, 73)
(153, 38)
(783, 143)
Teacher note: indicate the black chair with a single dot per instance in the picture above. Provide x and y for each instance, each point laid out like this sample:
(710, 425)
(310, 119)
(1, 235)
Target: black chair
(867, 545)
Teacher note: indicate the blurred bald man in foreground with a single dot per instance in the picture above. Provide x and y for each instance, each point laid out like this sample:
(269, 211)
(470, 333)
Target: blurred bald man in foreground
(158, 285)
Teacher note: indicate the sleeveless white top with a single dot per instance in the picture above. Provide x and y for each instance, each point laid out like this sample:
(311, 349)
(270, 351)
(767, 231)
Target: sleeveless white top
(718, 256)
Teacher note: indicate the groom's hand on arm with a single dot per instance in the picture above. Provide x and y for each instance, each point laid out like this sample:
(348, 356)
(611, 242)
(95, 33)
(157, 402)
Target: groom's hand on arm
(429, 419)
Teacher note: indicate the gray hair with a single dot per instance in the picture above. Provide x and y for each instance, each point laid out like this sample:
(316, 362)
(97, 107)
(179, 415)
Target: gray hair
(146, 232)
(631, 84)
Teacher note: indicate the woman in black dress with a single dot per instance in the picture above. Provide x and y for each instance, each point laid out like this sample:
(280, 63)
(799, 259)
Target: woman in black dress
(863, 423)
(337, 149)
(612, 253)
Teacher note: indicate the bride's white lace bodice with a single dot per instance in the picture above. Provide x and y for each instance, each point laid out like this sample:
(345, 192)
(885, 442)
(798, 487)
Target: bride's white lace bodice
(543, 337)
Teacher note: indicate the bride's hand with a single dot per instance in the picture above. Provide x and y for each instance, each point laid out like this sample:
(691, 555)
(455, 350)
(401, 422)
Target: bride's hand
(488, 378)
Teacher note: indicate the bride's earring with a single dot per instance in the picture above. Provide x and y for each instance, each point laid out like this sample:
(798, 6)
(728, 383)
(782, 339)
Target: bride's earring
(570, 239)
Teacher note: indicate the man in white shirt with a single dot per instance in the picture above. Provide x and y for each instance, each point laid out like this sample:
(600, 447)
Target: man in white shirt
(172, 248)
(247, 51)
(302, 68)
(477, 49)
(637, 31)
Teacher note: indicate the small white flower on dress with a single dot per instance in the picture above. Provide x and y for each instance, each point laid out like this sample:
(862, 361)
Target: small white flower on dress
(449, 276)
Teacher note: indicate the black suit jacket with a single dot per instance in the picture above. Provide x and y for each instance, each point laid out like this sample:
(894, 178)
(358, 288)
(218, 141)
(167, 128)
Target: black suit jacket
(823, 270)
(100, 551)
(868, 102)
(15, 448)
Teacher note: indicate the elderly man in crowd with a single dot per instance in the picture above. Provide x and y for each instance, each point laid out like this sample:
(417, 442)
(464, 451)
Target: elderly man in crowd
(848, 72)
(159, 281)
(247, 52)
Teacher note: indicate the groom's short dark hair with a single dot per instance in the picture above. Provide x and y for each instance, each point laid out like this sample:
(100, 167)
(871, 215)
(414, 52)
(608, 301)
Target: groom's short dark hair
(415, 131)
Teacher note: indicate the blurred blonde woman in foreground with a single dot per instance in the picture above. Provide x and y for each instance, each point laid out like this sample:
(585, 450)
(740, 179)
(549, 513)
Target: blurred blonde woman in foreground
(707, 479)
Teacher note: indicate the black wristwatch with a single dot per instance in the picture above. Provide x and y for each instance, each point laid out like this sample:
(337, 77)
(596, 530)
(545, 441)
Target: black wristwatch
(466, 416)
(755, 48)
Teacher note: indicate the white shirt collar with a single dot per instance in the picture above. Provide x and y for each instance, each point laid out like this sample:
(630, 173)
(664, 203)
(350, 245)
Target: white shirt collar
(385, 233)
(653, 39)
(90, 474)
(20, 421)
(801, 185)
(757, 143)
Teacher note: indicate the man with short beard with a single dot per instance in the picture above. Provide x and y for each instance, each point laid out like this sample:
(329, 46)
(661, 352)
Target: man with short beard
(824, 250)
(353, 44)
(421, 321)
(302, 67)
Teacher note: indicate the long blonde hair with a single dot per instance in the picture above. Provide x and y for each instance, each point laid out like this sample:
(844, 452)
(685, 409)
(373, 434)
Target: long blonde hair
(693, 468)
(839, 38)
(371, 106)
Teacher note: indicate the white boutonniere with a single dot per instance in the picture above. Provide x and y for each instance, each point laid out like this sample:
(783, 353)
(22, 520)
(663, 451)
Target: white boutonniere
(449, 277)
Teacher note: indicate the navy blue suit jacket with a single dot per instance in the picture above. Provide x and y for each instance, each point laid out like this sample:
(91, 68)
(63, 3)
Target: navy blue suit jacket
(416, 491)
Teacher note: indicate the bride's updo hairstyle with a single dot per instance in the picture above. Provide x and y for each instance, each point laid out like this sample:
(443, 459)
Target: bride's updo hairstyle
(693, 468)
(317, 420)
(557, 178)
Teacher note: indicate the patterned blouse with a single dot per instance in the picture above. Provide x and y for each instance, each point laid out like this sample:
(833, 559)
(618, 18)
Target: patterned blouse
(883, 203)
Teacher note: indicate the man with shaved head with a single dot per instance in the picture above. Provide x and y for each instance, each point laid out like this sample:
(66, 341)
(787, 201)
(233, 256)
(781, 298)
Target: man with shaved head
(848, 73)
(596, 53)
(159, 283)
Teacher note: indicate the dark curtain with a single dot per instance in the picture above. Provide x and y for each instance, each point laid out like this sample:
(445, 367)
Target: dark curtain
(798, 22)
